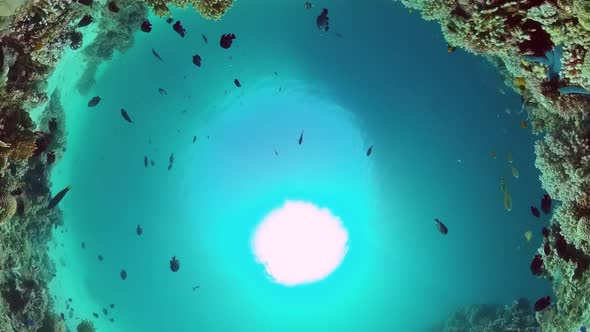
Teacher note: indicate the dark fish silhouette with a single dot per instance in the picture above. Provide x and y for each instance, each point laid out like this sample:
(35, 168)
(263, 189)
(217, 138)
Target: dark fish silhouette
(57, 198)
(545, 232)
(171, 159)
(338, 34)
(322, 21)
(94, 101)
(197, 60)
(194, 139)
(195, 288)
(157, 55)
(125, 115)
(301, 138)
(542, 303)
(146, 26)
(441, 227)
(535, 212)
(537, 265)
(162, 92)
(369, 150)
(179, 29)
(83, 245)
(50, 157)
(276, 153)
(85, 21)
(113, 7)
(95, 315)
(123, 274)
(145, 161)
(226, 40)
(308, 5)
(152, 163)
(139, 230)
(546, 203)
(169, 20)
(85, 2)
(112, 306)
(237, 83)
(205, 38)
(105, 311)
(100, 258)
(174, 264)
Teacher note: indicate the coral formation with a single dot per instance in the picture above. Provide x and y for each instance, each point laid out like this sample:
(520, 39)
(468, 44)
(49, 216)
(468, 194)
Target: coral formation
(211, 9)
(542, 48)
(85, 326)
(7, 207)
(491, 318)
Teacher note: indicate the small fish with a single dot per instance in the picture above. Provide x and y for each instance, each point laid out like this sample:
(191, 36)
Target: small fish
(301, 138)
(85, 21)
(169, 20)
(95, 315)
(83, 245)
(523, 124)
(145, 161)
(179, 29)
(237, 83)
(503, 184)
(542, 303)
(195, 288)
(94, 101)
(546, 204)
(515, 172)
(125, 115)
(57, 198)
(535, 212)
(171, 159)
(50, 157)
(174, 264)
(123, 274)
(370, 150)
(105, 311)
(528, 235)
(322, 21)
(139, 230)
(146, 26)
(152, 163)
(112, 306)
(338, 34)
(169, 166)
(582, 328)
(451, 49)
(205, 38)
(226, 40)
(162, 92)
(194, 139)
(112, 320)
(509, 157)
(100, 258)
(493, 154)
(508, 201)
(157, 55)
(113, 7)
(85, 2)
(537, 265)
(308, 5)
(4, 144)
(441, 227)
(197, 60)
(276, 153)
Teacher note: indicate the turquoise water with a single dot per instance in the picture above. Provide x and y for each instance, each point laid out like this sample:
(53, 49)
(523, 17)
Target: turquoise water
(433, 118)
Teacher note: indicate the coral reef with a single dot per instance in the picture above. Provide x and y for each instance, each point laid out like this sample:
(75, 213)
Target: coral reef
(115, 34)
(211, 9)
(542, 49)
(491, 318)
(85, 326)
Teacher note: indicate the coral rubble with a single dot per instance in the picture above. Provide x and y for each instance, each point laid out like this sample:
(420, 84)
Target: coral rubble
(542, 48)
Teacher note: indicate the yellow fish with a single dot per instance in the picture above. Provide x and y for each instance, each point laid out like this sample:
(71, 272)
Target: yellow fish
(507, 201)
(509, 157)
(528, 235)
(515, 172)
(503, 184)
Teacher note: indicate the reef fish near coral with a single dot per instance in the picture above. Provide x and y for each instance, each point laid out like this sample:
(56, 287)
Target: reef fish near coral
(237, 83)
(322, 21)
(542, 303)
(157, 55)
(179, 29)
(57, 198)
(515, 172)
(85, 21)
(85, 2)
(113, 7)
(507, 201)
(546, 204)
(441, 227)
(94, 101)
(205, 38)
(197, 60)
(535, 212)
(226, 40)
(146, 26)
(126, 116)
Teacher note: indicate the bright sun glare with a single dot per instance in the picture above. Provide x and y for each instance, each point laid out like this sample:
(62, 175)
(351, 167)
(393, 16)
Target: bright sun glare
(300, 243)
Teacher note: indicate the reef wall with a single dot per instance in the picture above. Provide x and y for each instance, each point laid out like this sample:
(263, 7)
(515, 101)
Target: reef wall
(542, 49)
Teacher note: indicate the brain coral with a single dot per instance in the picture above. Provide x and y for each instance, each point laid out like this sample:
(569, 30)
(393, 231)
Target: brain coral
(7, 207)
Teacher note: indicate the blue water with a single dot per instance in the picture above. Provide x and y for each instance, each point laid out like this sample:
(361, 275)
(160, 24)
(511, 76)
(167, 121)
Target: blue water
(432, 116)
